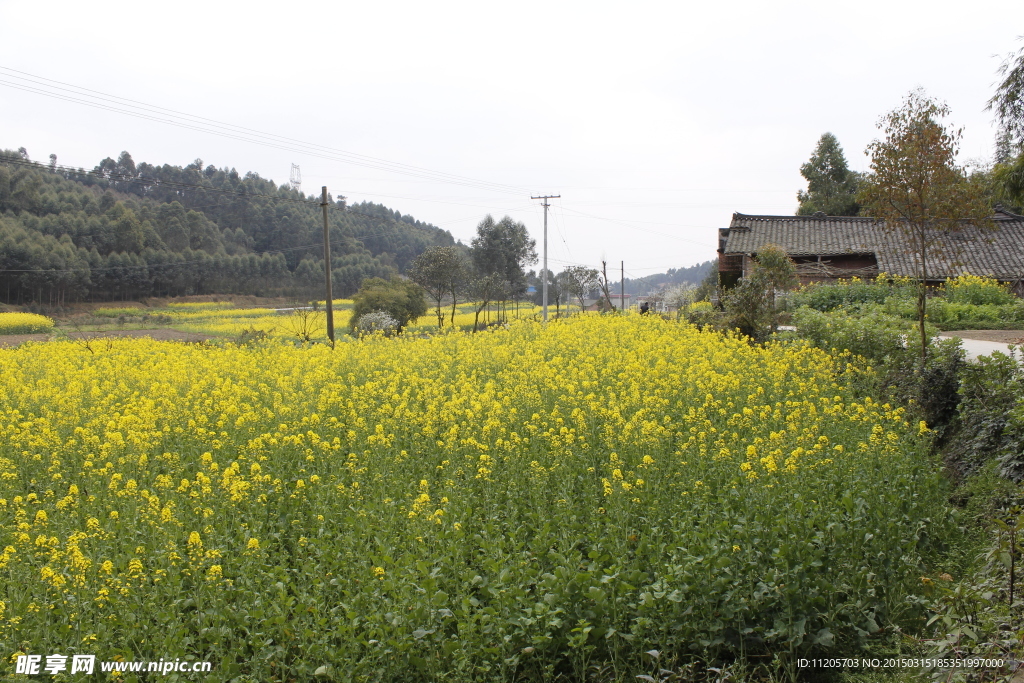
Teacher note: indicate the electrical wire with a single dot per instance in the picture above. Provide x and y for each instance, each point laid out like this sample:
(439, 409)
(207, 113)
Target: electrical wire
(105, 101)
(562, 228)
(632, 225)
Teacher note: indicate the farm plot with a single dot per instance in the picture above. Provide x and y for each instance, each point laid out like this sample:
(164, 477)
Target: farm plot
(512, 505)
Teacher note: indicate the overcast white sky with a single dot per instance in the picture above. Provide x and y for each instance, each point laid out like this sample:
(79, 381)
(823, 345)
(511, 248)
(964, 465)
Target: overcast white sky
(655, 121)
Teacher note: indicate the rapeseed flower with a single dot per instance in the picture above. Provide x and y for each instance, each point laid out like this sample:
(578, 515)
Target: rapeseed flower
(165, 459)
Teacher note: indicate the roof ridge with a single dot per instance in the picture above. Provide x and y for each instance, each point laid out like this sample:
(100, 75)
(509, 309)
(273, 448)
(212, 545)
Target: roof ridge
(1009, 216)
(999, 208)
(737, 214)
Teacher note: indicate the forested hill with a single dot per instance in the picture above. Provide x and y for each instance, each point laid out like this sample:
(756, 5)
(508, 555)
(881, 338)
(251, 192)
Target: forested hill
(675, 276)
(127, 230)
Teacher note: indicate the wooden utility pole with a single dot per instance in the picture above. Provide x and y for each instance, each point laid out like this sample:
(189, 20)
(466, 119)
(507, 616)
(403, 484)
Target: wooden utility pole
(544, 286)
(327, 269)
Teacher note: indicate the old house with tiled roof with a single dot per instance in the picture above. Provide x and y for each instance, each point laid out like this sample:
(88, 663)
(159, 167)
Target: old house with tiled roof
(835, 247)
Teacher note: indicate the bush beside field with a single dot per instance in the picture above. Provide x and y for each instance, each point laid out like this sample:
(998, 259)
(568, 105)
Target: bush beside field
(511, 505)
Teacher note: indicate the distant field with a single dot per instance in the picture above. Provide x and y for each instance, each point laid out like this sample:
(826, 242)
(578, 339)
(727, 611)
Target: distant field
(224, 320)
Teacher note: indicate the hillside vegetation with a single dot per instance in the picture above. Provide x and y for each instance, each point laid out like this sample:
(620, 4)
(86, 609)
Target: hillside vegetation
(673, 276)
(124, 231)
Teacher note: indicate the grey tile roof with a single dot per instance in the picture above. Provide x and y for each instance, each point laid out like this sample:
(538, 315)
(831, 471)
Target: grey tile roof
(998, 252)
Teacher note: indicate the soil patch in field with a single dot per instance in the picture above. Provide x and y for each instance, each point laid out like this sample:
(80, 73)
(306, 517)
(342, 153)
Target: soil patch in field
(1001, 336)
(160, 334)
(10, 340)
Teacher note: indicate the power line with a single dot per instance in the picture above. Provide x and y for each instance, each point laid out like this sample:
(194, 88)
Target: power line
(105, 101)
(560, 225)
(569, 263)
(632, 226)
(432, 201)
(476, 217)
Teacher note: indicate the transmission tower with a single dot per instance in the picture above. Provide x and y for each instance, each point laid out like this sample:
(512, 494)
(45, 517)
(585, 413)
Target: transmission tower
(296, 178)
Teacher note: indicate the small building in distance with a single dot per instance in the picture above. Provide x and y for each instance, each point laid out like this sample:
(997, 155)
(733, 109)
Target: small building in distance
(657, 303)
(593, 302)
(828, 248)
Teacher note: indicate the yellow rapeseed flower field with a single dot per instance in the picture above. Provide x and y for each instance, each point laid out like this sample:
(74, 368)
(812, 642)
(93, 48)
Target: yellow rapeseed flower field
(198, 305)
(491, 506)
(24, 323)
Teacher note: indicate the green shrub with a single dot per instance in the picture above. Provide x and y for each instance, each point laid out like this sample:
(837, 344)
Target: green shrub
(851, 293)
(753, 304)
(874, 335)
(943, 312)
(989, 423)
(957, 315)
(930, 386)
(403, 300)
(984, 493)
(701, 314)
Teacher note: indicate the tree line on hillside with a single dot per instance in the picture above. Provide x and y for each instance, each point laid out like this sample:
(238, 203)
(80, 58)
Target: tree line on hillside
(131, 231)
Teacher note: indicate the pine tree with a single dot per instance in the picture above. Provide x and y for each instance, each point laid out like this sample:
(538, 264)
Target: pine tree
(831, 185)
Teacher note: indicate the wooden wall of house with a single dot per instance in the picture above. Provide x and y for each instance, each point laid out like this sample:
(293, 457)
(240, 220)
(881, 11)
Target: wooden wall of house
(834, 268)
(730, 268)
(844, 261)
(838, 267)
(730, 263)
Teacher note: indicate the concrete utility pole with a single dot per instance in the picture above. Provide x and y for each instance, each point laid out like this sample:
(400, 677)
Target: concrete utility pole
(327, 268)
(622, 285)
(544, 296)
